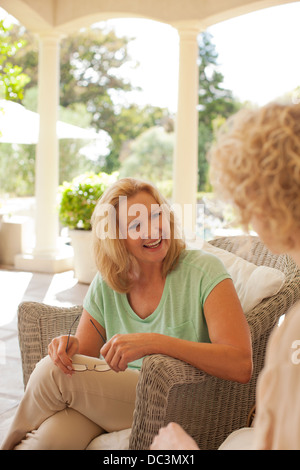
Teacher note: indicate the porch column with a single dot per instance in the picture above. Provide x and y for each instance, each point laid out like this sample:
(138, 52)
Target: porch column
(186, 126)
(47, 255)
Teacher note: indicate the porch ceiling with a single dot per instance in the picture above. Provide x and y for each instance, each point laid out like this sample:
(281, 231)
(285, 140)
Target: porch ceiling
(66, 16)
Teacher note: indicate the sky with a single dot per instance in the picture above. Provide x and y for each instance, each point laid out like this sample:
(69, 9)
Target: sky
(258, 56)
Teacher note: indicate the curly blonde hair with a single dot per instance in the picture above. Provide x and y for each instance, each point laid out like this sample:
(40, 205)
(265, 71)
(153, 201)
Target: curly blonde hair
(117, 266)
(255, 165)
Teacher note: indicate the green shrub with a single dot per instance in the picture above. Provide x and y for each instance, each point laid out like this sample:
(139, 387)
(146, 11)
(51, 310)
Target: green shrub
(79, 198)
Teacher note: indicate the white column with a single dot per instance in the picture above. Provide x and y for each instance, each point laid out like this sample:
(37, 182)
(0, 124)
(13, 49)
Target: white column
(47, 152)
(47, 255)
(186, 127)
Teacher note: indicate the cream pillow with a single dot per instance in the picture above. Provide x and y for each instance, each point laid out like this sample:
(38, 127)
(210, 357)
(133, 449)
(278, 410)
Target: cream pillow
(252, 283)
(117, 440)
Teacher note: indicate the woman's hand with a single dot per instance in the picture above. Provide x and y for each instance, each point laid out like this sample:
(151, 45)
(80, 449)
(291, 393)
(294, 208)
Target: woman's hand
(173, 437)
(87, 341)
(60, 355)
(122, 349)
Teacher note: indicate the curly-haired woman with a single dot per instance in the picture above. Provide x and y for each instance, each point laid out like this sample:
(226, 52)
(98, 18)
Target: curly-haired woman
(255, 165)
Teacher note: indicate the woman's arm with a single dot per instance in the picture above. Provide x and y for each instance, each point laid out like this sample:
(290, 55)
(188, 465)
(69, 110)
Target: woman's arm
(90, 341)
(228, 356)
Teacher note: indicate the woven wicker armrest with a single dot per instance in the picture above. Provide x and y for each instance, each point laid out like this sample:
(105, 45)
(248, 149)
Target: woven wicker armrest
(162, 380)
(38, 324)
(207, 408)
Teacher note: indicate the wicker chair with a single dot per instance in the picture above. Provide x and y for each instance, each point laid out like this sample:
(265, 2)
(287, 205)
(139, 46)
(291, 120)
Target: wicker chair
(170, 390)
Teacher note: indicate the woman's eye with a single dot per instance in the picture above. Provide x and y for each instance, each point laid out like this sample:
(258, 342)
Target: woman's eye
(155, 215)
(135, 226)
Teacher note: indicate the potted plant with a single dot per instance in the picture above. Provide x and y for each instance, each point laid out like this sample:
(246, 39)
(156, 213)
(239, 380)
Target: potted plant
(78, 199)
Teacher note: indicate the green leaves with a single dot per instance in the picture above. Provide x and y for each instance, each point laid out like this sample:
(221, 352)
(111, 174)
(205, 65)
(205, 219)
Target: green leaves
(215, 102)
(12, 78)
(79, 198)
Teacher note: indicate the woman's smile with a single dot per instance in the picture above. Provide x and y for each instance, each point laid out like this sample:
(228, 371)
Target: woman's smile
(153, 245)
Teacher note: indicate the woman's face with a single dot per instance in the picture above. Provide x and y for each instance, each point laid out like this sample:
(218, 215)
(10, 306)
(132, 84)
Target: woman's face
(143, 225)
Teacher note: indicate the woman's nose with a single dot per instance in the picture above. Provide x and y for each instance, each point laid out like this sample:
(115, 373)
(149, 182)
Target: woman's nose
(152, 231)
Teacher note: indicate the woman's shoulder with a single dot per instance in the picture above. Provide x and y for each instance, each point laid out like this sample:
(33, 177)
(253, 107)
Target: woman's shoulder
(202, 262)
(98, 283)
(98, 291)
(198, 257)
(97, 279)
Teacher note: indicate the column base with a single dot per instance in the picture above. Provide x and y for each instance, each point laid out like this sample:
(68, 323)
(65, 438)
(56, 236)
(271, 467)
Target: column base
(46, 263)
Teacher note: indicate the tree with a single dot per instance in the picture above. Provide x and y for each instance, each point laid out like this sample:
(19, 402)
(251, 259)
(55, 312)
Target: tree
(89, 60)
(126, 125)
(90, 63)
(17, 169)
(12, 78)
(214, 101)
(150, 156)
(12, 83)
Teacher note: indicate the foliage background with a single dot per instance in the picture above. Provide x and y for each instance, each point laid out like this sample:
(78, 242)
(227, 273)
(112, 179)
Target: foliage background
(93, 94)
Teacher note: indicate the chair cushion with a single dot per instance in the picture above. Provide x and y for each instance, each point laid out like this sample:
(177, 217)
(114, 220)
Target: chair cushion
(118, 440)
(252, 283)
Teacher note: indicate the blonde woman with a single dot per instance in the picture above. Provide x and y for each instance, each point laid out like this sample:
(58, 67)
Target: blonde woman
(151, 295)
(255, 165)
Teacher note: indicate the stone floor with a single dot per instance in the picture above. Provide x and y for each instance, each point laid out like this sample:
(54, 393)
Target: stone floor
(15, 287)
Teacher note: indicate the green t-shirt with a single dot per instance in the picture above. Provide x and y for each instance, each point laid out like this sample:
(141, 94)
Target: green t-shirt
(180, 310)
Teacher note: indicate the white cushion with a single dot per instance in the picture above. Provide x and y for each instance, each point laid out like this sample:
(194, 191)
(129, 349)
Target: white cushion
(242, 439)
(118, 440)
(252, 283)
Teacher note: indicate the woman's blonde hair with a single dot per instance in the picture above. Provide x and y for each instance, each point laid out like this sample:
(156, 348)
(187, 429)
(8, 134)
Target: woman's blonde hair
(116, 265)
(255, 165)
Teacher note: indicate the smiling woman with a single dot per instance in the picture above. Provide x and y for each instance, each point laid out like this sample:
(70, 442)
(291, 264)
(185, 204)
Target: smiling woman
(150, 296)
(136, 211)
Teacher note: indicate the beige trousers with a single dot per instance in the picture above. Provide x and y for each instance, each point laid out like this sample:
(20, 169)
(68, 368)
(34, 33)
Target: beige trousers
(62, 412)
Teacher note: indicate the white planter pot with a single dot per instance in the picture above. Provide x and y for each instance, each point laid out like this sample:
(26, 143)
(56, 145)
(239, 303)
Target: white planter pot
(84, 264)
